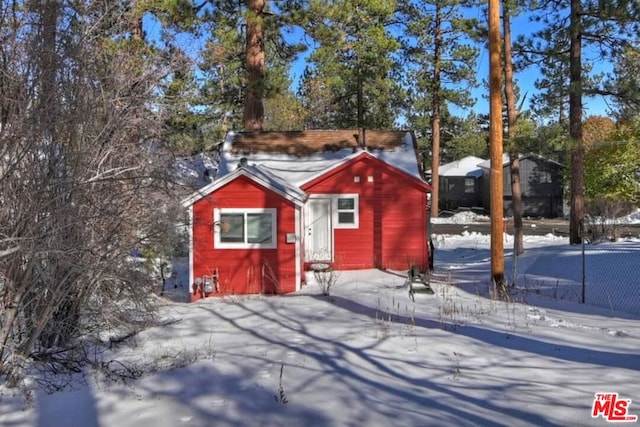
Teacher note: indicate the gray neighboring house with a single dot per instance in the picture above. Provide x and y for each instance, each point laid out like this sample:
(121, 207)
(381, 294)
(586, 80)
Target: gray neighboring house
(460, 184)
(541, 183)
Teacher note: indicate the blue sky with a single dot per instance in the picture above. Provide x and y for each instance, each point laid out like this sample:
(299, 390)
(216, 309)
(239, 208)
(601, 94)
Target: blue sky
(525, 78)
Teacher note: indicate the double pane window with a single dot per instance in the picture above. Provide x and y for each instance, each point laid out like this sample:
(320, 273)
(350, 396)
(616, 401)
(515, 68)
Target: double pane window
(250, 228)
(346, 210)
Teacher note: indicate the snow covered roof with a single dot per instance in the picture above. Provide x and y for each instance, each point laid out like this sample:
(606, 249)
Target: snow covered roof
(298, 157)
(256, 173)
(195, 170)
(487, 163)
(505, 160)
(467, 166)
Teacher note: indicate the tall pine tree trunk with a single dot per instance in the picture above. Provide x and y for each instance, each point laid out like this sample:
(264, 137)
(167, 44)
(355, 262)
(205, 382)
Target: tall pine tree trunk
(512, 117)
(253, 117)
(435, 114)
(576, 218)
(136, 23)
(360, 100)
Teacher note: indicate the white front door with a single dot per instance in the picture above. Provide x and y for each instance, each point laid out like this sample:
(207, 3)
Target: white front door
(319, 242)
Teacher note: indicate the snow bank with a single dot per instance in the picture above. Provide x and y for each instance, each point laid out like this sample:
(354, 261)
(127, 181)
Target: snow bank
(461, 218)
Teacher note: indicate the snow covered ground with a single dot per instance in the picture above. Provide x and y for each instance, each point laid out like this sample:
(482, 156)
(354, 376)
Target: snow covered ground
(370, 356)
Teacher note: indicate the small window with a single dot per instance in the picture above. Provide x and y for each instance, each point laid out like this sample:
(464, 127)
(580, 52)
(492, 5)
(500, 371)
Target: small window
(545, 177)
(469, 185)
(244, 228)
(346, 209)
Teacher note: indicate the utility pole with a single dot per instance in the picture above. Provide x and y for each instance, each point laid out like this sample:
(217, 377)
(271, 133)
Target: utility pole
(495, 148)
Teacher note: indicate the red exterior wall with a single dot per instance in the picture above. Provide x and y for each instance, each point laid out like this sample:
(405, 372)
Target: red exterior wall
(392, 231)
(245, 271)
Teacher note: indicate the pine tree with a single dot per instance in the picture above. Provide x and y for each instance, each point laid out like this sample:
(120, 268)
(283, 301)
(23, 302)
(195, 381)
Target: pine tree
(625, 83)
(441, 60)
(512, 148)
(320, 107)
(463, 137)
(605, 27)
(245, 60)
(354, 60)
(253, 117)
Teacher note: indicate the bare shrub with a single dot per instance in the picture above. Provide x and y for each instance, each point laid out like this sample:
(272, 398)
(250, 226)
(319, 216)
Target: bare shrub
(82, 178)
(602, 220)
(326, 278)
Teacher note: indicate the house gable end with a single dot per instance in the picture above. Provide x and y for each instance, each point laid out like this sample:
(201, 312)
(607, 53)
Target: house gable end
(239, 233)
(244, 184)
(411, 180)
(257, 176)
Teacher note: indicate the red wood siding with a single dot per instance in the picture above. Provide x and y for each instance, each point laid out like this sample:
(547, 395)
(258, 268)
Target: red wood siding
(392, 231)
(245, 271)
(404, 240)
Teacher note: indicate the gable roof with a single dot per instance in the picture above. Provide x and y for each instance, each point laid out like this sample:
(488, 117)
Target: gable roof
(467, 166)
(505, 160)
(297, 157)
(257, 174)
(346, 162)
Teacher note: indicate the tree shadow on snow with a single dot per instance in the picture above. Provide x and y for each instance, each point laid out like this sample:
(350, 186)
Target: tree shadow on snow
(506, 340)
(76, 407)
(207, 396)
(368, 377)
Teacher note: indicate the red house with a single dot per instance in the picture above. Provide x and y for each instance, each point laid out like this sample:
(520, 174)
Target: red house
(282, 201)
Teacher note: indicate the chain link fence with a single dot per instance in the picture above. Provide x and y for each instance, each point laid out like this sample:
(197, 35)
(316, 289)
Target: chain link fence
(612, 276)
(605, 275)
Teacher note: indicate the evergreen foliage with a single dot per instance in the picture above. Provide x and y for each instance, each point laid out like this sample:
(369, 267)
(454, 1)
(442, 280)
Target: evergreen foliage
(353, 63)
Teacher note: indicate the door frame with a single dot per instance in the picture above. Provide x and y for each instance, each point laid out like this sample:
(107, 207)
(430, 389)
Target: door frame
(330, 228)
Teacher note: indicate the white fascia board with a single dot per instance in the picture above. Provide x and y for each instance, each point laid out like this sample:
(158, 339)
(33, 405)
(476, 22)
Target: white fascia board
(208, 189)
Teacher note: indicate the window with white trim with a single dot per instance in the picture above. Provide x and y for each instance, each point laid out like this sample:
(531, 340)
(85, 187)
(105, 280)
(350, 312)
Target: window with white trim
(346, 211)
(245, 228)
